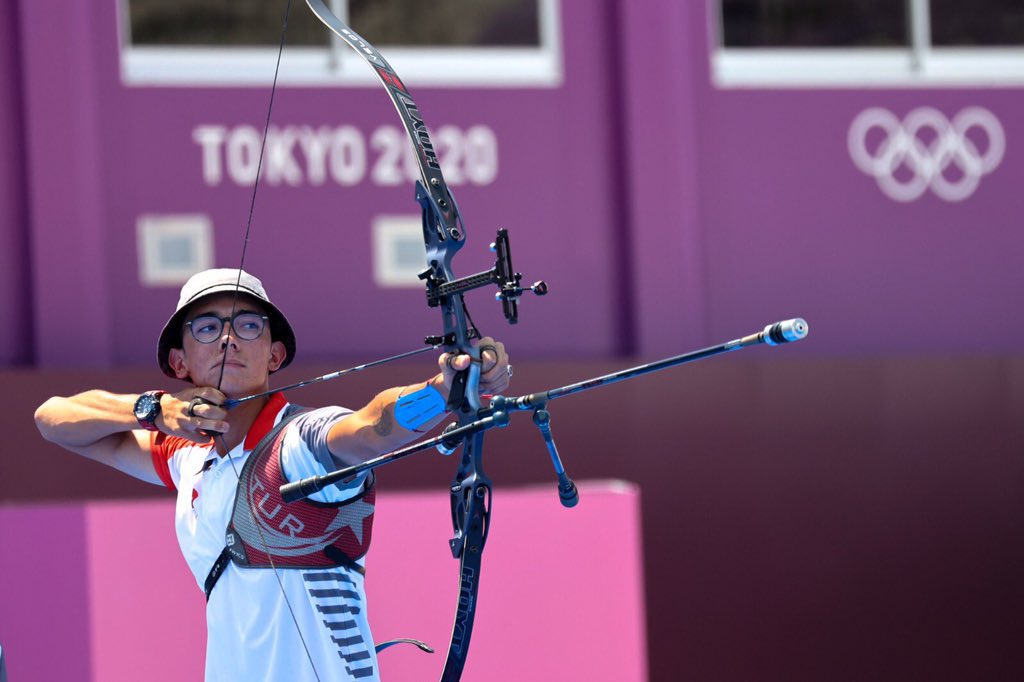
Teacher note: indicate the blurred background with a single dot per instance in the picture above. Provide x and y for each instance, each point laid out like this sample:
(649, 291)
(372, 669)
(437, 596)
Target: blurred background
(681, 173)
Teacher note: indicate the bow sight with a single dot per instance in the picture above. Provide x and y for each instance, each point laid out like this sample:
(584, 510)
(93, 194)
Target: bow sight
(502, 274)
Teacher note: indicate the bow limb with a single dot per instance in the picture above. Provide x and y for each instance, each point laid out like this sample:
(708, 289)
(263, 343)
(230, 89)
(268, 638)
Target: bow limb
(443, 236)
(443, 231)
(450, 227)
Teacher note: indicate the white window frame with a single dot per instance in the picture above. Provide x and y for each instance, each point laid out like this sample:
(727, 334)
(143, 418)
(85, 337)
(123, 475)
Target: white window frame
(920, 64)
(151, 231)
(337, 65)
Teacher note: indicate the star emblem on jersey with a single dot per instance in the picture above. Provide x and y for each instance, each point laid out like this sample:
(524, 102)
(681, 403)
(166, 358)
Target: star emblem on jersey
(352, 516)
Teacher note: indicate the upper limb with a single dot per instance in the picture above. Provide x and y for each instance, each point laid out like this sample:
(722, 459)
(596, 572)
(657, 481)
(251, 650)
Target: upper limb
(101, 426)
(373, 430)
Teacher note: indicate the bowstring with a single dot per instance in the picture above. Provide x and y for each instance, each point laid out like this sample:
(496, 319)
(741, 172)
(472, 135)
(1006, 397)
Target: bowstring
(234, 303)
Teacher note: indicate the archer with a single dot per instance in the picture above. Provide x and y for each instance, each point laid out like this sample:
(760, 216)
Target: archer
(226, 338)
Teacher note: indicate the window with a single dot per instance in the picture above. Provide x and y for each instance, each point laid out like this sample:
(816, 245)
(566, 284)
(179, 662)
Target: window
(813, 23)
(977, 23)
(868, 42)
(212, 23)
(443, 42)
(172, 248)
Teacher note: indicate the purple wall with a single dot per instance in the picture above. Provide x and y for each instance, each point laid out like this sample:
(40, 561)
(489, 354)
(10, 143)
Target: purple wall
(15, 304)
(748, 208)
(112, 153)
(70, 260)
(663, 61)
(802, 229)
(681, 213)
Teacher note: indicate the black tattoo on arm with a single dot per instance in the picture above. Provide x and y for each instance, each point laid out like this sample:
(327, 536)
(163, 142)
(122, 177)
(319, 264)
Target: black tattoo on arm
(384, 425)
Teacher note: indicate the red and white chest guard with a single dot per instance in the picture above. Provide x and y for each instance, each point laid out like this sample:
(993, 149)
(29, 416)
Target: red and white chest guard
(302, 534)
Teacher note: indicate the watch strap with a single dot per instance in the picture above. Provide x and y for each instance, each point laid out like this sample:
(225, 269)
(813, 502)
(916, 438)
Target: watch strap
(148, 419)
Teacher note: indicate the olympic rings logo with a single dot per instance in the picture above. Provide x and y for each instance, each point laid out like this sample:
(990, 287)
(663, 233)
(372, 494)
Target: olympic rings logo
(935, 152)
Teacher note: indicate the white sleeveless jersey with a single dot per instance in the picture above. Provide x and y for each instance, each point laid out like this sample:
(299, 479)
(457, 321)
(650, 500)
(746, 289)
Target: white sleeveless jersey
(251, 634)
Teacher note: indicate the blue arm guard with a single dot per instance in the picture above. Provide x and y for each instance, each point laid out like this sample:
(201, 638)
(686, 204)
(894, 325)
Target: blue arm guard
(418, 408)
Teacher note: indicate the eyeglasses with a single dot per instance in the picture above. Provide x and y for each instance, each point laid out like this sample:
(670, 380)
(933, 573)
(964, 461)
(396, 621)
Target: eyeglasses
(208, 328)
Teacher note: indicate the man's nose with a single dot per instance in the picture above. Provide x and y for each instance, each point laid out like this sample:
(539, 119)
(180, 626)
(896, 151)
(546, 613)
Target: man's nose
(227, 336)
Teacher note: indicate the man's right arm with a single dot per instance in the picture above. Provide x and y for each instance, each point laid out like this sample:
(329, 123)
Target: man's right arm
(101, 426)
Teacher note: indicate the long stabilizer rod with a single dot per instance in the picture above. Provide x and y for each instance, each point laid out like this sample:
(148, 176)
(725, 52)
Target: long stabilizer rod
(498, 413)
(786, 331)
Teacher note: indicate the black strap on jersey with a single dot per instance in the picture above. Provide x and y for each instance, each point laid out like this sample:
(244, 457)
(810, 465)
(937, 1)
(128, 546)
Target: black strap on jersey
(216, 571)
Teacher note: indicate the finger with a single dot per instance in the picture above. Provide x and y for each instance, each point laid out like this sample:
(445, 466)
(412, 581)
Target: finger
(495, 383)
(488, 356)
(492, 390)
(196, 438)
(450, 362)
(495, 359)
(209, 425)
(204, 410)
(194, 405)
(211, 395)
(188, 428)
(216, 413)
(485, 343)
(499, 372)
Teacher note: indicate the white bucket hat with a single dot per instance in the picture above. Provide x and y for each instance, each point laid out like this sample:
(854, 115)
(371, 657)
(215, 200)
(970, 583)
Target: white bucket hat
(217, 281)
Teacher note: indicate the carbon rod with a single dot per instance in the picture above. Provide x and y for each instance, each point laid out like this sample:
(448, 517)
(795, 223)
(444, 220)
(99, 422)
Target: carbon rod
(773, 334)
(307, 486)
(231, 402)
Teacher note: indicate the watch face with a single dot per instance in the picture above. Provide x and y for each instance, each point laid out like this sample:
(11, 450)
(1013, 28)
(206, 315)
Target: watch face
(145, 406)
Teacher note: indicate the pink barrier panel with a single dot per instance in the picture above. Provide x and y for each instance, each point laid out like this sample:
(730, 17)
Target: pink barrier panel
(146, 611)
(44, 619)
(561, 594)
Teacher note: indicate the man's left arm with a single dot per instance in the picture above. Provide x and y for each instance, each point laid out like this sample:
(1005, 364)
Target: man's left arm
(375, 429)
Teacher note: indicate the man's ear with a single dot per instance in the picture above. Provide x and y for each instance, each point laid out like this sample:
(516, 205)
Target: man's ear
(278, 355)
(176, 359)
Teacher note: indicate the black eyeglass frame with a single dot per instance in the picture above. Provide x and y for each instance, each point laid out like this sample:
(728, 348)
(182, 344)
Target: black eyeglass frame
(231, 320)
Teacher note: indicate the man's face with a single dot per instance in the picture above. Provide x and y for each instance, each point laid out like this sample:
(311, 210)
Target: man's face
(247, 364)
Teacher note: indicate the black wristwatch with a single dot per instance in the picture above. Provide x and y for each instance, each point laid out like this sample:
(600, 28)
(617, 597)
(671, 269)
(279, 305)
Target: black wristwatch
(147, 409)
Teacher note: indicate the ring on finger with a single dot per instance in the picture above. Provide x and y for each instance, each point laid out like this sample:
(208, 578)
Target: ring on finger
(196, 402)
(508, 368)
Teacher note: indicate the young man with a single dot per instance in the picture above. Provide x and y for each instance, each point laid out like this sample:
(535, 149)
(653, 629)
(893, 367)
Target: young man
(257, 627)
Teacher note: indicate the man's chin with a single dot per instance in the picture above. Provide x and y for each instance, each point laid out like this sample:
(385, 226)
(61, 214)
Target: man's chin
(241, 391)
(234, 386)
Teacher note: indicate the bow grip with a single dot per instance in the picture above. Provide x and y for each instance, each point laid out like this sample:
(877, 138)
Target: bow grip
(457, 395)
(464, 380)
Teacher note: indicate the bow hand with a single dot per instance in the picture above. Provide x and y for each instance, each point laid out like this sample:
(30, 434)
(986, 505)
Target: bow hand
(494, 376)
